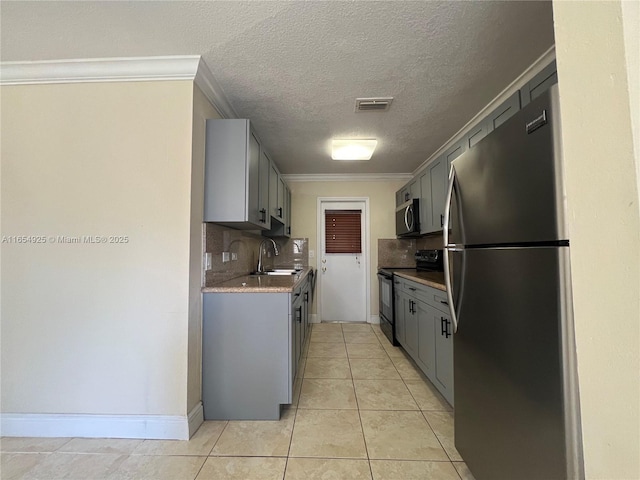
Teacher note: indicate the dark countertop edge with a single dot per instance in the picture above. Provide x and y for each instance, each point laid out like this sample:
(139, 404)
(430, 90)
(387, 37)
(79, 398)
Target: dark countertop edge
(222, 288)
(430, 279)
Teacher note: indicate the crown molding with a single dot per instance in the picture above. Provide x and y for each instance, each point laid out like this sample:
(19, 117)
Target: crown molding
(135, 69)
(130, 69)
(213, 91)
(347, 177)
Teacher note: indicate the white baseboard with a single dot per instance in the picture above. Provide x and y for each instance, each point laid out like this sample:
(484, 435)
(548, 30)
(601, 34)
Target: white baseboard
(157, 427)
(374, 319)
(196, 418)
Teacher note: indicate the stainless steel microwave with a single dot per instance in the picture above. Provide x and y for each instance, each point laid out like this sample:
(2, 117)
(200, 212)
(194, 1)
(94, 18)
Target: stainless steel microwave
(408, 219)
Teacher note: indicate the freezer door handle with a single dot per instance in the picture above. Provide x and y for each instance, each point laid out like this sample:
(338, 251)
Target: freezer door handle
(449, 248)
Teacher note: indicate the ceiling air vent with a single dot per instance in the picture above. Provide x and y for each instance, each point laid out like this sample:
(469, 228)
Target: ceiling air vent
(380, 104)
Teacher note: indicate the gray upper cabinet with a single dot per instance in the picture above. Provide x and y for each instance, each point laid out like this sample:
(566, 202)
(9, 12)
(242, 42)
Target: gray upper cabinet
(274, 181)
(281, 212)
(454, 151)
(263, 204)
(504, 112)
(433, 181)
(282, 188)
(477, 133)
(430, 185)
(276, 193)
(232, 174)
(287, 212)
(538, 84)
(410, 191)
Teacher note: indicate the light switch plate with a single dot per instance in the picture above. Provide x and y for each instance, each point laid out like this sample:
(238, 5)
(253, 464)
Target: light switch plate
(312, 254)
(207, 260)
(234, 256)
(225, 257)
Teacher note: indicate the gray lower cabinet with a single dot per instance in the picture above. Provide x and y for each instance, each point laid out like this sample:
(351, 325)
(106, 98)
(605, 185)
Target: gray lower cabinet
(425, 332)
(399, 301)
(443, 353)
(246, 362)
(426, 358)
(251, 348)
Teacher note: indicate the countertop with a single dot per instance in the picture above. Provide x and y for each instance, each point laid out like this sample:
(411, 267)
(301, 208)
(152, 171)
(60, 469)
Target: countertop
(430, 279)
(259, 283)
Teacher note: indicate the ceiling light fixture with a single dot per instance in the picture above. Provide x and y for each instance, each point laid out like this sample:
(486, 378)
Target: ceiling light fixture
(353, 148)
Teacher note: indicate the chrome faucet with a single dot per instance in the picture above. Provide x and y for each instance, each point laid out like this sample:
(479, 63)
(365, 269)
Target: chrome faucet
(275, 250)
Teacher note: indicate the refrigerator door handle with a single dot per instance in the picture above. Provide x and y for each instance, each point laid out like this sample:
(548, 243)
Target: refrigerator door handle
(447, 207)
(449, 248)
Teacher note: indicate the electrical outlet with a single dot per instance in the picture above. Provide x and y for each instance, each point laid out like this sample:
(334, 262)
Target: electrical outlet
(207, 260)
(225, 257)
(312, 254)
(234, 256)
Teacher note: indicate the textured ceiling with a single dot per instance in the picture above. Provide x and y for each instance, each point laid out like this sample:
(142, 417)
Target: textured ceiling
(296, 68)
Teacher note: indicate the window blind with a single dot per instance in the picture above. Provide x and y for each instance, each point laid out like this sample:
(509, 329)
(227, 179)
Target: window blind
(343, 231)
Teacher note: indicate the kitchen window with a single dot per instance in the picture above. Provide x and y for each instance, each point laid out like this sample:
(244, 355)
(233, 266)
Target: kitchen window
(343, 231)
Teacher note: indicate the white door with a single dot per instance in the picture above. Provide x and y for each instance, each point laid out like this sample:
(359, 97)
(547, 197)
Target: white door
(343, 276)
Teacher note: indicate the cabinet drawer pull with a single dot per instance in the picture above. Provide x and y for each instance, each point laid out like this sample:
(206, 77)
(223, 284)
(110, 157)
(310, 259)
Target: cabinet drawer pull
(444, 327)
(443, 302)
(412, 289)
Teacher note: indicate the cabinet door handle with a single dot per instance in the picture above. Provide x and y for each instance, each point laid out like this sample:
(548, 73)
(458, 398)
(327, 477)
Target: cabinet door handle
(444, 327)
(443, 302)
(412, 289)
(263, 212)
(406, 197)
(306, 296)
(299, 314)
(280, 212)
(442, 220)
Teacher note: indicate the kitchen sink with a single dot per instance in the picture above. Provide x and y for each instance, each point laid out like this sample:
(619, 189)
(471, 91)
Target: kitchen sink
(277, 271)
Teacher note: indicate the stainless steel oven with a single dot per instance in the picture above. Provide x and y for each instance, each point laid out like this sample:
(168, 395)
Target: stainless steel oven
(385, 281)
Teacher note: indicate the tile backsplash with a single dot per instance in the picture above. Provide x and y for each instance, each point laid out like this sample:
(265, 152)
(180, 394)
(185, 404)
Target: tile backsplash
(398, 252)
(245, 244)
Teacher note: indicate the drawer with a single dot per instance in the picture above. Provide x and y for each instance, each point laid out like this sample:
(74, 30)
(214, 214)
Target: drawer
(440, 300)
(431, 296)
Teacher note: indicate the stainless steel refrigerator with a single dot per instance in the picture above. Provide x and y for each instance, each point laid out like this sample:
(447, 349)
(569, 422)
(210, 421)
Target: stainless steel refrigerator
(517, 411)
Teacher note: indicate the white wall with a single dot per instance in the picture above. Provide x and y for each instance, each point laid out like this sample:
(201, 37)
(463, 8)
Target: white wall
(381, 196)
(202, 109)
(602, 195)
(96, 329)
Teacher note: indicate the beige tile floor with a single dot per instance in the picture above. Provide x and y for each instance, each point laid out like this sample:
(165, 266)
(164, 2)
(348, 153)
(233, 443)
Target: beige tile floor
(362, 410)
